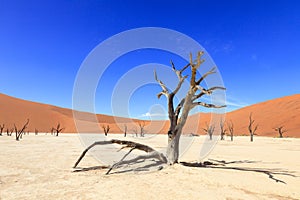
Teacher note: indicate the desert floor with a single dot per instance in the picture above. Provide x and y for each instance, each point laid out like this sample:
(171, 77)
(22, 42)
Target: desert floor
(40, 167)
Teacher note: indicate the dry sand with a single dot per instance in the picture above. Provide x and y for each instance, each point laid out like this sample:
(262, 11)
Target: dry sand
(40, 167)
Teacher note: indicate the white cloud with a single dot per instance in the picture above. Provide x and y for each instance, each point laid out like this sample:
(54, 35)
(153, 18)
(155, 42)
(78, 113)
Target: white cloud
(148, 114)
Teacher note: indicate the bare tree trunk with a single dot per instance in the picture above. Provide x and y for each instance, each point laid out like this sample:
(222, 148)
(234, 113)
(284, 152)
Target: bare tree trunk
(125, 130)
(1, 129)
(173, 148)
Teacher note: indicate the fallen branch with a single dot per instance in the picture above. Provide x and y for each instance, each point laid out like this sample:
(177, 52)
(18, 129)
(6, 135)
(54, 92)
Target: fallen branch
(126, 144)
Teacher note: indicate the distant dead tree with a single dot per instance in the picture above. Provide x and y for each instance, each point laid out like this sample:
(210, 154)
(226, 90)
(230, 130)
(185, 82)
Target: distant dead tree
(280, 130)
(125, 130)
(36, 131)
(222, 129)
(105, 129)
(209, 130)
(135, 131)
(57, 130)
(19, 132)
(230, 128)
(252, 129)
(52, 131)
(1, 129)
(142, 128)
(9, 132)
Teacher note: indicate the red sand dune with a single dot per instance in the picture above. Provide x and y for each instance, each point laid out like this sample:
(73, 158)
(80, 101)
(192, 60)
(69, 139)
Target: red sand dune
(270, 114)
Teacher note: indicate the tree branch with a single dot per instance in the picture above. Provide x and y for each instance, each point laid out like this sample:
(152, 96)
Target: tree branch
(207, 105)
(165, 91)
(212, 71)
(206, 91)
(130, 144)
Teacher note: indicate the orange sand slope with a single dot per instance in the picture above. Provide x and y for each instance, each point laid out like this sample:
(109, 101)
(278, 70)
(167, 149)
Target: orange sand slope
(270, 114)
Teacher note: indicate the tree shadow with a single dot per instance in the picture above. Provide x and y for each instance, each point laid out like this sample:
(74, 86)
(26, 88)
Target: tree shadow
(141, 165)
(221, 164)
(155, 166)
(79, 169)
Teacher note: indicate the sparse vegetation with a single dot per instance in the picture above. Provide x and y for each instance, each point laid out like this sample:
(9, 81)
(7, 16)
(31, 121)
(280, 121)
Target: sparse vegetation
(209, 130)
(251, 127)
(142, 125)
(223, 130)
(125, 130)
(105, 129)
(57, 130)
(1, 129)
(231, 129)
(135, 131)
(280, 130)
(19, 132)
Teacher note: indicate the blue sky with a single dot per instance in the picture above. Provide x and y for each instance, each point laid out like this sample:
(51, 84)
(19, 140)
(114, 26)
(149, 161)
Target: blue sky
(255, 45)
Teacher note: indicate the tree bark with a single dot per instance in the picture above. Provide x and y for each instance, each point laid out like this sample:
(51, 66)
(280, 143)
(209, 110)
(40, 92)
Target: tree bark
(173, 148)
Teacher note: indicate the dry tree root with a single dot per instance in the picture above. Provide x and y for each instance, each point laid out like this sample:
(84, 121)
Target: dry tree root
(152, 153)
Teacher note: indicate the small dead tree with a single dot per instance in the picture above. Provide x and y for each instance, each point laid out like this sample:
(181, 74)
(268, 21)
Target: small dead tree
(125, 130)
(177, 114)
(280, 130)
(209, 130)
(223, 130)
(57, 130)
(135, 131)
(36, 131)
(52, 131)
(142, 128)
(19, 132)
(105, 129)
(1, 129)
(9, 132)
(231, 130)
(252, 128)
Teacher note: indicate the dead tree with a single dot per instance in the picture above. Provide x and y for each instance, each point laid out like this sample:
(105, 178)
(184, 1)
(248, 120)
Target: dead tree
(230, 128)
(252, 129)
(142, 128)
(125, 130)
(52, 131)
(177, 115)
(57, 130)
(1, 129)
(19, 132)
(105, 129)
(209, 130)
(223, 130)
(280, 130)
(135, 131)
(36, 131)
(9, 132)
